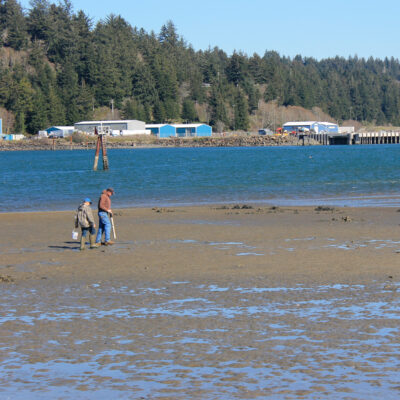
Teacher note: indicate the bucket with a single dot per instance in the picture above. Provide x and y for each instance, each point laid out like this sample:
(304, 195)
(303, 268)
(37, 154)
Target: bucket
(74, 235)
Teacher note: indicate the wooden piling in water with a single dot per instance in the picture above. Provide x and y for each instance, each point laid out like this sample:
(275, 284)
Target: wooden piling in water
(96, 156)
(101, 143)
(104, 150)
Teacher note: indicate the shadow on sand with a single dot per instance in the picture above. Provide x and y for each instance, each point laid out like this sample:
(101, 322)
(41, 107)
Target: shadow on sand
(74, 247)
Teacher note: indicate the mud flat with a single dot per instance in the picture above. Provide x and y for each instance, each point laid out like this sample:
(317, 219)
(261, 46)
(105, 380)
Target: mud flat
(227, 302)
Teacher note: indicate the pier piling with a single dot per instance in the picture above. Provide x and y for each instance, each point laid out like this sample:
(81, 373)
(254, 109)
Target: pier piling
(100, 144)
(389, 137)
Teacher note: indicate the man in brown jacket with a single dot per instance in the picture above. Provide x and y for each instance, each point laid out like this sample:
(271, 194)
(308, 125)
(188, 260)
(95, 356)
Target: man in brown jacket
(105, 212)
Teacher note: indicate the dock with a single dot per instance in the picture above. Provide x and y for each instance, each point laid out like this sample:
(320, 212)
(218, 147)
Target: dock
(329, 139)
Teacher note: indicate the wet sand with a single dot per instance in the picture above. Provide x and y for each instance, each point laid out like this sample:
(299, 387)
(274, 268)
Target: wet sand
(203, 302)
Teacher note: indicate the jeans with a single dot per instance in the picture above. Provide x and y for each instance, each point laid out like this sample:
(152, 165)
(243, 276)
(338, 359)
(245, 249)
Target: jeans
(104, 225)
(90, 229)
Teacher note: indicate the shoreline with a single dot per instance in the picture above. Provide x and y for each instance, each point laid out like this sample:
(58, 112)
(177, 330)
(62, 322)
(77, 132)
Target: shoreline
(359, 202)
(249, 207)
(151, 142)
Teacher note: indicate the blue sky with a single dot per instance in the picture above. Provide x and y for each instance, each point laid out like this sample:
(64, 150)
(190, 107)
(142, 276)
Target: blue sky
(311, 28)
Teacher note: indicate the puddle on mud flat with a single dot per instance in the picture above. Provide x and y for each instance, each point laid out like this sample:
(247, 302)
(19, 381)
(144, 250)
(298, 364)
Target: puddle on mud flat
(182, 340)
(310, 243)
(250, 254)
(239, 249)
(198, 222)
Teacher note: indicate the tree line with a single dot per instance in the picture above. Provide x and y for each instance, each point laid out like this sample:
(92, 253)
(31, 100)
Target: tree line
(58, 67)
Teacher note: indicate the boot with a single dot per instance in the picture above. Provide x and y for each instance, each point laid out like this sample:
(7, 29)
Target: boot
(109, 243)
(93, 244)
(83, 242)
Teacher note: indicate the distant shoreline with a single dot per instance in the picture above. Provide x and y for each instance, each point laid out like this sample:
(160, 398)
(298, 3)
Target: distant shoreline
(145, 142)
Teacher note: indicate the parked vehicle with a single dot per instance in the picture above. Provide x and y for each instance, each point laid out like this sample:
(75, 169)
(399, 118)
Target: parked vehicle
(265, 132)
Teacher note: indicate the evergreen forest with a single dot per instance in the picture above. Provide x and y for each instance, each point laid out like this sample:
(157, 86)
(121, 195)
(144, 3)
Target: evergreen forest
(58, 67)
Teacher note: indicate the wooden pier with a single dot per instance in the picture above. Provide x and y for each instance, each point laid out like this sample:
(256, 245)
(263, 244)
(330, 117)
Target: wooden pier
(387, 137)
(377, 137)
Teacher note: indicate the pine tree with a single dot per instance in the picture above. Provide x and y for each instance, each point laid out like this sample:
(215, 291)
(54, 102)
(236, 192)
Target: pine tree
(132, 109)
(69, 90)
(236, 71)
(241, 116)
(168, 34)
(38, 21)
(55, 109)
(171, 108)
(189, 113)
(37, 117)
(159, 115)
(218, 109)
(13, 25)
(21, 100)
(143, 84)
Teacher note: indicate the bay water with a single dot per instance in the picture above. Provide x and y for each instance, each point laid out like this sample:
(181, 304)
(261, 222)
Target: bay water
(155, 177)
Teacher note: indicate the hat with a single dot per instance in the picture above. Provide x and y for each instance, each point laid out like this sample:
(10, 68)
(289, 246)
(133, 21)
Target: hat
(87, 200)
(111, 190)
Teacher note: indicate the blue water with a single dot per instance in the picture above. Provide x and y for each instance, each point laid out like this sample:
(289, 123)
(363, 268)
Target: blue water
(334, 175)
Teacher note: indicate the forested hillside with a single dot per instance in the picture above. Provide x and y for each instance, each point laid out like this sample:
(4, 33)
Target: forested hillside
(58, 67)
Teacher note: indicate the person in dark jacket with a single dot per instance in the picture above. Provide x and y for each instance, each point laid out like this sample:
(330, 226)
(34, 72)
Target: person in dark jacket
(105, 212)
(84, 219)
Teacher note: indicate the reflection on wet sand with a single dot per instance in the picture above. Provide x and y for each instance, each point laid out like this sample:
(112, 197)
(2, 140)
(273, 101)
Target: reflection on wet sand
(202, 341)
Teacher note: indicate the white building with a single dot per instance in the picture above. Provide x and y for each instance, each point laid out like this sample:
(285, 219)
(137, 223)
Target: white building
(58, 131)
(114, 128)
(315, 126)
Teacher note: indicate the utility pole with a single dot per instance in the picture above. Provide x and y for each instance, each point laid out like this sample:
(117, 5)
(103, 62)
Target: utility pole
(234, 118)
(112, 108)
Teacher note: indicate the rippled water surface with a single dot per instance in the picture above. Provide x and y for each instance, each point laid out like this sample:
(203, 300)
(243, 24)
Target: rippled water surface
(337, 175)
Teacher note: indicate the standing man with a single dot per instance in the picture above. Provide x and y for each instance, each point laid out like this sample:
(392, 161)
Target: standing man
(84, 219)
(104, 216)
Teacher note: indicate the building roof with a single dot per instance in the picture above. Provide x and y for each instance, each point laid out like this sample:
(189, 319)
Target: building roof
(300, 123)
(187, 125)
(60, 127)
(157, 125)
(107, 122)
(308, 123)
(174, 125)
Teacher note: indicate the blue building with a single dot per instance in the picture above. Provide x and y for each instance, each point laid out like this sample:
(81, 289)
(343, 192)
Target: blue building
(12, 136)
(180, 130)
(307, 126)
(161, 130)
(193, 130)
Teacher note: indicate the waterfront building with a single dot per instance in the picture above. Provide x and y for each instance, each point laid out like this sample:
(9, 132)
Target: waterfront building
(114, 128)
(161, 130)
(57, 131)
(180, 130)
(308, 126)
